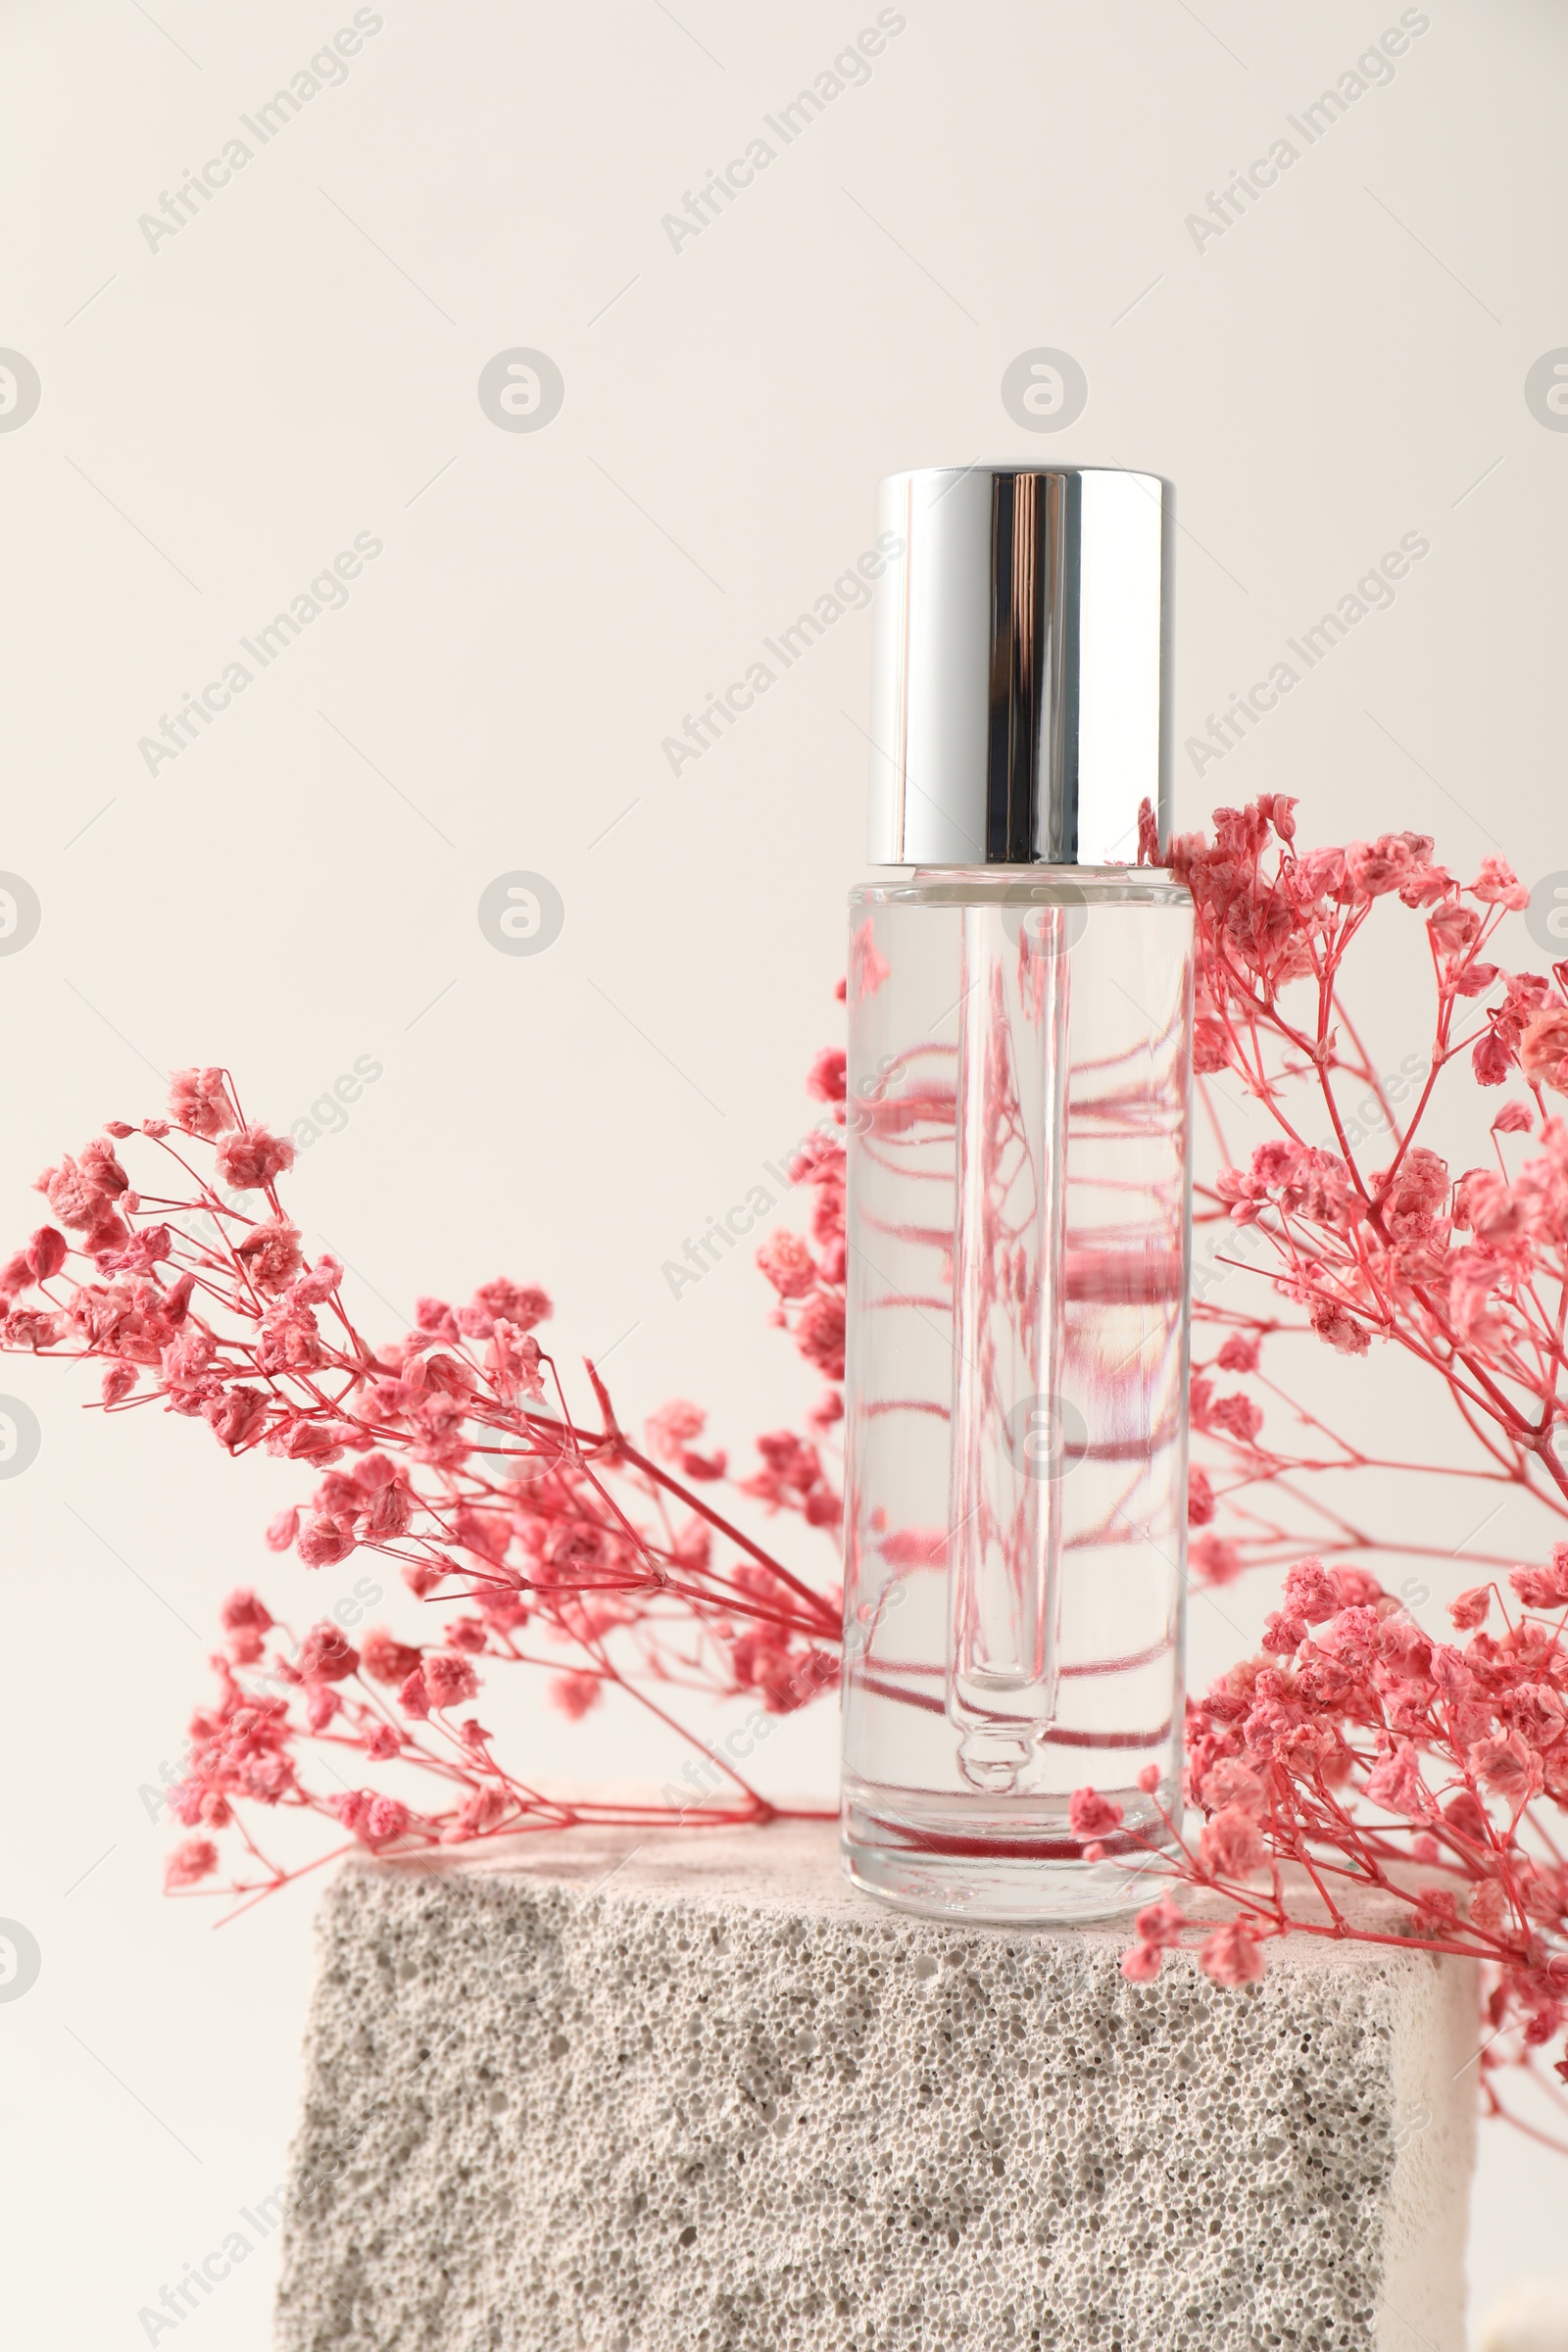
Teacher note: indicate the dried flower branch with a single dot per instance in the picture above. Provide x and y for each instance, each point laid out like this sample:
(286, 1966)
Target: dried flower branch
(1355, 1750)
(558, 1542)
(1369, 1253)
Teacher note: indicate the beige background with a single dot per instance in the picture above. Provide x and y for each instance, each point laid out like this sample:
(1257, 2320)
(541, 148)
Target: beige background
(221, 414)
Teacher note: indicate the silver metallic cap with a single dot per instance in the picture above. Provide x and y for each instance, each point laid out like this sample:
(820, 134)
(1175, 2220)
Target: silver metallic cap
(1021, 694)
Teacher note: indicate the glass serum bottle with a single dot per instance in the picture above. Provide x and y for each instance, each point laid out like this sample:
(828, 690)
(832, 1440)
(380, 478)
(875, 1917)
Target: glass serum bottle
(1018, 1116)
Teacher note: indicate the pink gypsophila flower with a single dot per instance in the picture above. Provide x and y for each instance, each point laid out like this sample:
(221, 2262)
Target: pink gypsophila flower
(673, 1427)
(576, 1694)
(1395, 1783)
(237, 1417)
(289, 1340)
(1497, 884)
(196, 1858)
(198, 1102)
(513, 1359)
(1158, 1930)
(391, 1513)
(46, 1254)
(251, 1157)
(1340, 1330)
(242, 1608)
(24, 1328)
(312, 1289)
(1232, 1783)
(1308, 1593)
(1162, 1923)
(1376, 867)
(819, 1334)
(1141, 1963)
(788, 1264)
(101, 1168)
(324, 1542)
(322, 1703)
(1543, 1587)
(1091, 1815)
(186, 1361)
(77, 1200)
(521, 1304)
(448, 1680)
(324, 1656)
(1283, 1633)
(826, 1077)
(1232, 1956)
(1214, 1559)
(1231, 1844)
(1236, 1416)
(271, 1254)
(1491, 1062)
(1507, 1766)
(479, 1813)
(1543, 1049)
(1412, 1195)
(385, 1659)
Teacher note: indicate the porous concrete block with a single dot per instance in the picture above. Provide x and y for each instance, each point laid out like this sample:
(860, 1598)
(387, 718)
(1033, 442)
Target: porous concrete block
(599, 2096)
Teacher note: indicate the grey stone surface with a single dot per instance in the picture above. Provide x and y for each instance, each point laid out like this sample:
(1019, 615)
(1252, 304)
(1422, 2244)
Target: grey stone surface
(713, 2098)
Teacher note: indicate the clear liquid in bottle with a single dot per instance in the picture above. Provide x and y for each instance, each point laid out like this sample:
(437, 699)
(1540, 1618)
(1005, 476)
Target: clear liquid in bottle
(1016, 1484)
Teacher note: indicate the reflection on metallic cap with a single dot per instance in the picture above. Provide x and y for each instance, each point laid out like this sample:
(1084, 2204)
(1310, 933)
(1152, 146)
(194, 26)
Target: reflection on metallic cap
(1021, 699)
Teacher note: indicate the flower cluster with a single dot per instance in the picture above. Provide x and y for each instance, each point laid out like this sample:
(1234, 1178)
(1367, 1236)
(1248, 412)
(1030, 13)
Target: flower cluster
(811, 1283)
(1360, 1776)
(1362, 1230)
(535, 1535)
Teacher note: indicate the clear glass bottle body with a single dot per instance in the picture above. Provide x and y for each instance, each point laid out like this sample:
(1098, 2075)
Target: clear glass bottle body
(1015, 1510)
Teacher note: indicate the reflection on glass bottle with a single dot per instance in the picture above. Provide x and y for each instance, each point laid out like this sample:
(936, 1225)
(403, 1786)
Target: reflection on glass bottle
(1018, 1082)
